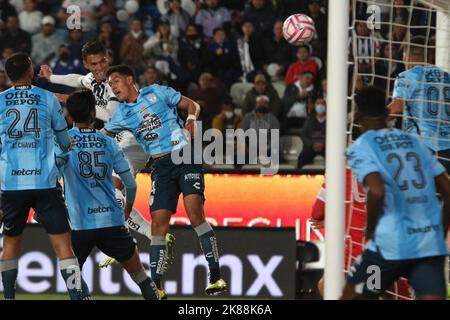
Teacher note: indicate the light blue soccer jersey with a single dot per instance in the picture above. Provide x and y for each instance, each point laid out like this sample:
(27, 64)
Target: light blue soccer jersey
(88, 186)
(426, 91)
(29, 117)
(411, 224)
(153, 120)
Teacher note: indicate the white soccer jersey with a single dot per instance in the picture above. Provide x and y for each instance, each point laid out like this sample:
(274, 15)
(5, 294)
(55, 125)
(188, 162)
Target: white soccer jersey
(102, 91)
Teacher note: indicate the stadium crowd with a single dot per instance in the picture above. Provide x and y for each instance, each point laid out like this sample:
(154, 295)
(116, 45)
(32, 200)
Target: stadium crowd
(228, 55)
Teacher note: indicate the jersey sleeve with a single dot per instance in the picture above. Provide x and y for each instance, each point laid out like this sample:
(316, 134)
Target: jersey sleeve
(360, 160)
(401, 87)
(170, 95)
(86, 81)
(58, 121)
(120, 164)
(431, 163)
(116, 123)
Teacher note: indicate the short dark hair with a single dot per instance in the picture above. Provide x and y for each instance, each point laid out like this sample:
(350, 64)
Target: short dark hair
(371, 101)
(304, 45)
(80, 104)
(92, 47)
(17, 65)
(122, 69)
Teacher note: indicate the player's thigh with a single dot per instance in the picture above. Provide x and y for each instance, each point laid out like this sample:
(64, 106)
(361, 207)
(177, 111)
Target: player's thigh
(427, 277)
(16, 207)
(165, 191)
(371, 274)
(83, 241)
(52, 211)
(116, 242)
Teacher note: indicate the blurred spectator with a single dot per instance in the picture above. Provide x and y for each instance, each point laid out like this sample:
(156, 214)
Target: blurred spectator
(400, 34)
(151, 76)
(6, 10)
(262, 15)
(111, 39)
(251, 50)
(278, 50)
(262, 87)
(386, 68)
(90, 11)
(364, 45)
(304, 64)
(227, 118)
(192, 52)
(177, 17)
(296, 101)
(400, 10)
(313, 134)
(210, 92)
(46, 43)
(323, 89)
(14, 37)
(132, 47)
(66, 64)
(319, 42)
(30, 19)
(162, 45)
(285, 8)
(75, 43)
(3, 81)
(222, 58)
(212, 16)
(6, 53)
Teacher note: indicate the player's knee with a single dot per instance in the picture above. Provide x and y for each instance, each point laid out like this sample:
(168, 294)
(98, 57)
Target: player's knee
(11, 247)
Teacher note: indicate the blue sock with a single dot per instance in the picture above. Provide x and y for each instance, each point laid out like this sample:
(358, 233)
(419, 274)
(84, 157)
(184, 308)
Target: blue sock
(147, 286)
(86, 294)
(9, 270)
(208, 243)
(157, 256)
(70, 271)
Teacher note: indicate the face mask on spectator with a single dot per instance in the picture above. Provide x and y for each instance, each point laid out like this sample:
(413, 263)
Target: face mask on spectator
(320, 109)
(64, 56)
(229, 114)
(262, 110)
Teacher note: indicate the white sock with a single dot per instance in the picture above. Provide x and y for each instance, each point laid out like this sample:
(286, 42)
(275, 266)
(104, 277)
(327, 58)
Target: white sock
(139, 224)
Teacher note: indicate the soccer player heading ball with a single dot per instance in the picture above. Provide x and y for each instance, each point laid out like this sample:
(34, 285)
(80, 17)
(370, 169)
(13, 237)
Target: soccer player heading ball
(406, 227)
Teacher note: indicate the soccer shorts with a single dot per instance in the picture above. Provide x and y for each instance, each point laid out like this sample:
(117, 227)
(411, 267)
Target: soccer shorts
(48, 204)
(169, 180)
(133, 152)
(115, 242)
(372, 274)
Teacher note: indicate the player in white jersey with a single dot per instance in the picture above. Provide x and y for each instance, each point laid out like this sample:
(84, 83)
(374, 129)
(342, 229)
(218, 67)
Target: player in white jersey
(95, 60)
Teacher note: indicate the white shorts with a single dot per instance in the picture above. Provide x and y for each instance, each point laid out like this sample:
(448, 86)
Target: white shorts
(133, 151)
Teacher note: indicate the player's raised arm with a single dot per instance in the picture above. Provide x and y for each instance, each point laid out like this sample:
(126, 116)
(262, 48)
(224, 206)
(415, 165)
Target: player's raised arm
(70, 80)
(375, 201)
(193, 109)
(130, 188)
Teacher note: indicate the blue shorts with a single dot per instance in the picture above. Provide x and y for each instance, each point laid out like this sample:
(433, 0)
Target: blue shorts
(425, 275)
(48, 204)
(169, 180)
(115, 242)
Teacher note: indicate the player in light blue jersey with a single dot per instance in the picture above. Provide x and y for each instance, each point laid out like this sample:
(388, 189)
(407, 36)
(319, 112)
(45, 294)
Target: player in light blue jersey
(151, 115)
(422, 93)
(30, 121)
(96, 217)
(406, 227)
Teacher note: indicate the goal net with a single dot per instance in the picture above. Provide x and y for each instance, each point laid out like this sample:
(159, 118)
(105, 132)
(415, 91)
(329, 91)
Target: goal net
(380, 33)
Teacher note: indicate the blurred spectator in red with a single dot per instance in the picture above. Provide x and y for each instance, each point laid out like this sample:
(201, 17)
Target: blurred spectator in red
(66, 64)
(3, 81)
(46, 43)
(296, 101)
(262, 87)
(250, 47)
(30, 18)
(162, 45)
(192, 52)
(304, 63)
(278, 50)
(210, 92)
(14, 37)
(132, 47)
(227, 118)
(212, 16)
(222, 58)
(313, 134)
(177, 17)
(262, 15)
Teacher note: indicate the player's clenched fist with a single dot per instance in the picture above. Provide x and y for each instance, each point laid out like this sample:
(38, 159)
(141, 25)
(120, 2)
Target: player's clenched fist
(45, 71)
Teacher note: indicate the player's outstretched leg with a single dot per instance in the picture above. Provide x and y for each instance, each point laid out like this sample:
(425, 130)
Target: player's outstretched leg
(194, 208)
(9, 265)
(137, 273)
